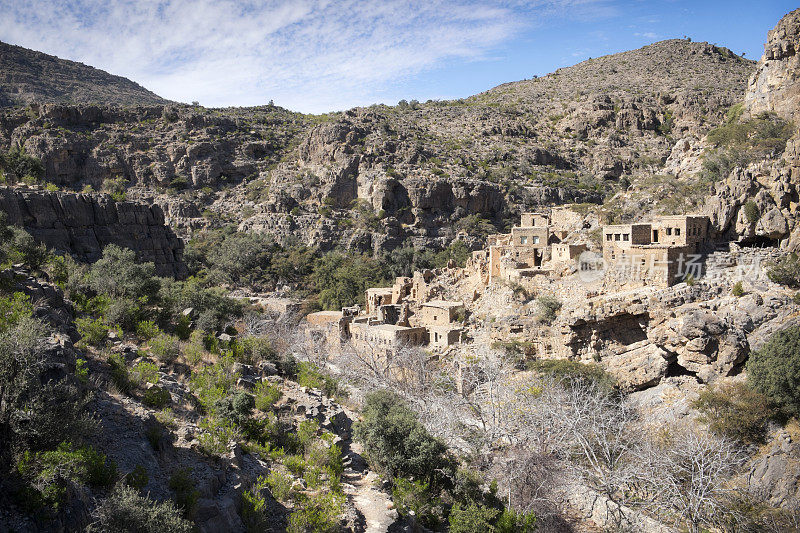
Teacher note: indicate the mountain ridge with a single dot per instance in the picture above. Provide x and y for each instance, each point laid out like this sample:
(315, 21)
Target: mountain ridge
(29, 76)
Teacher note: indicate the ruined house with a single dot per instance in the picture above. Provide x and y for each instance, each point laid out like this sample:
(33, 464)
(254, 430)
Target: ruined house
(659, 253)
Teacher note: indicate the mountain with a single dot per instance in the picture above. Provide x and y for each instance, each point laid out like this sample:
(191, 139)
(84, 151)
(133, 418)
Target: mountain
(385, 176)
(27, 76)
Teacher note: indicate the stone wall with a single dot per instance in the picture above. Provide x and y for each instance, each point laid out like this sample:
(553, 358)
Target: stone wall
(83, 224)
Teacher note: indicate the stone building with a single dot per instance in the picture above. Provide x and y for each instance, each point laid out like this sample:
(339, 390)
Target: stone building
(562, 254)
(440, 313)
(525, 248)
(385, 336)
(659, 253)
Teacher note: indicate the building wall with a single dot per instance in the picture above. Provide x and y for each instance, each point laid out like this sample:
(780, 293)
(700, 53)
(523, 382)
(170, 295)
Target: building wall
(377, 297)
(655, 265)
(682, 230)
(533, 237)
(437, 316)
(528, 220)
(443, 337)
(378, 337)
(566, 253)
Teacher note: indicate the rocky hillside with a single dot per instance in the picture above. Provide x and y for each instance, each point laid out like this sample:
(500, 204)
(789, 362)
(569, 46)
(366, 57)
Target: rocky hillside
(27, 76)
(378, 177)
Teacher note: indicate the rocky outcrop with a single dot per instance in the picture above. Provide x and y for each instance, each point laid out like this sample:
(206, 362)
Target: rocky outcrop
(83, 224)
(775, 471)
(775, 86)
(701, 331)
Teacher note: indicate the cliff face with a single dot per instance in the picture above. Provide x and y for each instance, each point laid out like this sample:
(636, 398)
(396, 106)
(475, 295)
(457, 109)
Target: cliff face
(775, 86)
(771, 184)
(83, 224)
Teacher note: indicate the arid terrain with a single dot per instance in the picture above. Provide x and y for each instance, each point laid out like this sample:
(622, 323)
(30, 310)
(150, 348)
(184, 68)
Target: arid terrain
(568, 303)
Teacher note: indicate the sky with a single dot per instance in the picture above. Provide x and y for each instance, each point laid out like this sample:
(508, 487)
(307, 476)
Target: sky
(317, 56)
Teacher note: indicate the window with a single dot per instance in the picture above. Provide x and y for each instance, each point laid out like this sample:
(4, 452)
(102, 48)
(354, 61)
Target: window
(617, 236)
(536, 240)
(523, 240)
(677, 231)
(669, 231)
(626, 237)
(608, 237)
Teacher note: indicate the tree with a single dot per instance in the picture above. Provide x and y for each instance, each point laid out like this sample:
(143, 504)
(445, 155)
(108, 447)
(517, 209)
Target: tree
(735, 411)
(688, 475)
(118, 275)
(774, 370)
(786, 271)
(16, 164)
(342, 279)
(398, 444)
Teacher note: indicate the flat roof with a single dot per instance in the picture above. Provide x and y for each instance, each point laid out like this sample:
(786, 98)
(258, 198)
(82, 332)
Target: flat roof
(379, 289)
(444, 304)
(326, 314)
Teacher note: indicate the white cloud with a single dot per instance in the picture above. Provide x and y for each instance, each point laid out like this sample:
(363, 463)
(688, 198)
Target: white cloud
(311, 55)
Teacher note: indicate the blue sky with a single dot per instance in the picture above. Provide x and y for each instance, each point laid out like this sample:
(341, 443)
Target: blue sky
(324, 55)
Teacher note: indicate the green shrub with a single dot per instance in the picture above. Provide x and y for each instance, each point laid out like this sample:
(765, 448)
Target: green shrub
(341, 280)
(308, 375)
(13, 308)
(471, 518)
(774, 370)
(266, 395)
(319, 515)
(165, 347)
(118, 275)
(144, 372)
(564, 369)
(16, 164)
(93, 331)
(216, 435)
(415, 497)
(213, 383)
(50, 471)
(280, 484)
(786, 271)
(119, 372)
(548, 308)
(254, 507)
(324, 456)
(511, 521)
(156, 397)
(751, 212)
(183, 486)
(735, 411)
(116, 188)
(307, 431)
(147, 329)
(82, 370)
(21, 247)
(137, 478)
(738, 289)
(125, 511)
(253, 350)
(398, 444)
(295, 464)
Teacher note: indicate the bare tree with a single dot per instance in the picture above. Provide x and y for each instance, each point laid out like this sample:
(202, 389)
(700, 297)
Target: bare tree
(689, 474)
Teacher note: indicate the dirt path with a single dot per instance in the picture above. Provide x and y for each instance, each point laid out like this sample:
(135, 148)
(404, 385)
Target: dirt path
(362, 486)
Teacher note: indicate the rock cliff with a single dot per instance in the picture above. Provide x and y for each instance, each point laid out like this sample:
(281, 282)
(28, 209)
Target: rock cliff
(82, 224)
